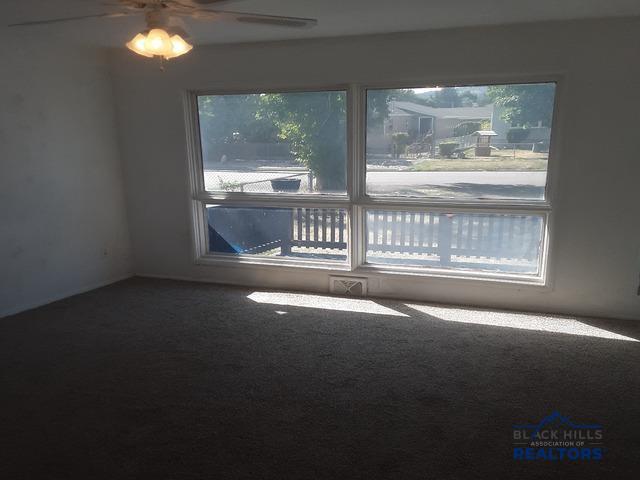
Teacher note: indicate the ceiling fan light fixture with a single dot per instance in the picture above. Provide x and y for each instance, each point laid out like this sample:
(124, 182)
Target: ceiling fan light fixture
(158, 43)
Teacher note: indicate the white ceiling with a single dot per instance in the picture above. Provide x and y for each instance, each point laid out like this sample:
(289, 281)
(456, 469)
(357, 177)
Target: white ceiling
(336, 17)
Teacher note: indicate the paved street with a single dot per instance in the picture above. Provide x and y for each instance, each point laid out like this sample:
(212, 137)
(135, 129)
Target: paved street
(460, 184)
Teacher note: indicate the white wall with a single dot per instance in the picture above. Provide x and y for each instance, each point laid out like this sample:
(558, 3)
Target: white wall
(596, 240)
(63, 226)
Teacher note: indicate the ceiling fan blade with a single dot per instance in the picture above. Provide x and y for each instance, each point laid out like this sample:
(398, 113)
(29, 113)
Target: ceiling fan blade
(196, 3)
(70, 19)
(192, 5)
(180, 31)
(242, 17)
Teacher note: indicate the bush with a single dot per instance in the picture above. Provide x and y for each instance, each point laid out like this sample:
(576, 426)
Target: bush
(400, 142)
(517, 135)
(466, 128)
(447, 148)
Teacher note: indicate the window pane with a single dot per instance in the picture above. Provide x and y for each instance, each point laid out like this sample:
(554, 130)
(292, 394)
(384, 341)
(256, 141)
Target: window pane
(487, 142)
(304, 233)
(274, 142)
(505, 243)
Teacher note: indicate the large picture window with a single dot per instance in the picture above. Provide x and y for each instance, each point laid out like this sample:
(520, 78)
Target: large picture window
(421, 180)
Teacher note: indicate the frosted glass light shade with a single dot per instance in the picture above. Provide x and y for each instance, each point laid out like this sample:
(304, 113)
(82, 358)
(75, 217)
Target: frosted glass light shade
(137, 45)
(178, 47)
(158, 42)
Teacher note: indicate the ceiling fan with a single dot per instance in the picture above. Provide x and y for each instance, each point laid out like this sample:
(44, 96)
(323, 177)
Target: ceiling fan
(166, 41)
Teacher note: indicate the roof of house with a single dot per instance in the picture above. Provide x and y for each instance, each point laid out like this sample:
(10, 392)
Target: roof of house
(454, 112)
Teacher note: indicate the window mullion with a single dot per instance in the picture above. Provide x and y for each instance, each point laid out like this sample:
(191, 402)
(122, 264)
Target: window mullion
(447, 206)
(356, 171)
(267, 200)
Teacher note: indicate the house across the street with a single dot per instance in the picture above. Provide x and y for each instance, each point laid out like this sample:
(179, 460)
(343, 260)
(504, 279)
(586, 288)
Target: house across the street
(422, 121)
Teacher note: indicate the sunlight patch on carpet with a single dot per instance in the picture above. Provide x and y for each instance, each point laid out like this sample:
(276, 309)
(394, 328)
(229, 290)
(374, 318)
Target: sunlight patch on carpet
(343, 304)
(522, 321)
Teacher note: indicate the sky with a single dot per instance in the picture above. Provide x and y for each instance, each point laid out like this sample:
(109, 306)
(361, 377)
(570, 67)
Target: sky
(426, 89)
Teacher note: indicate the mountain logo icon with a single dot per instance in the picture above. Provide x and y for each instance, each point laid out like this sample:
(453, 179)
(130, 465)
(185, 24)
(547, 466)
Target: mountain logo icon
(555, 419)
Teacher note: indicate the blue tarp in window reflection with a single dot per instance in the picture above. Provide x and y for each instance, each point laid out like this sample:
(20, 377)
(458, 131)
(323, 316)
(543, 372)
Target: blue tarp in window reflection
(248, 230)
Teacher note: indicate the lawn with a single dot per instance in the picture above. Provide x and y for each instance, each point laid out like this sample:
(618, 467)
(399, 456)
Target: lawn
(500, 161)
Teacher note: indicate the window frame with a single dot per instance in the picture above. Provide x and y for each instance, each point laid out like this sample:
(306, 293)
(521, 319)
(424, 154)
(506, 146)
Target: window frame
(356, 200)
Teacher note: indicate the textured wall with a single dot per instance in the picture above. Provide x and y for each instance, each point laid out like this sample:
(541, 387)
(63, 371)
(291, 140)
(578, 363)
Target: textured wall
(63, 225)
(596, 235)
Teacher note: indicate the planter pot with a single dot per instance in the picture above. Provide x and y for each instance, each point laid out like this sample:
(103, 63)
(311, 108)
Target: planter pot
(286, 185)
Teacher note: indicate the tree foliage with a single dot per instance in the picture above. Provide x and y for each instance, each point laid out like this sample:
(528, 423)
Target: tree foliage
(466, 128)
(378, 103)
(517, 134)
(314, 124)
(234, 118)
(400, 143)
(525, 105)
(445, 98)
(452, 97)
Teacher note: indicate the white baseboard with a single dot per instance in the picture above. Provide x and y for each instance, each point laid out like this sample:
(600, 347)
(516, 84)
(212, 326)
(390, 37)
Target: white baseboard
(60, 296)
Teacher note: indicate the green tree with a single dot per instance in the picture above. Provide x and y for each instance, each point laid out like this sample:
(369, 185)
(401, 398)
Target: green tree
(377, 107)
(314, 124)
(400, 142)
(378, 103)
(468, 99)
(525, 105)
(234, 118)
(466, 128)
(446, 98)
